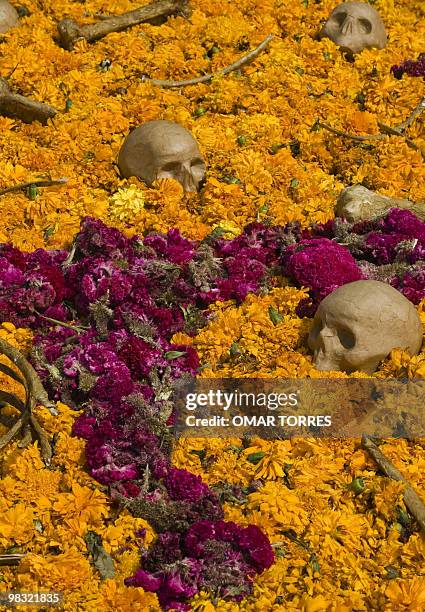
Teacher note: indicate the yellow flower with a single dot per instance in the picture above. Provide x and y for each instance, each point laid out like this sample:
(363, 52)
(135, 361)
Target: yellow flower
(16, 525)
(64, 572)
(126, 204)
(84, 503)
(406, 594)
(271, 465)
(115, 598)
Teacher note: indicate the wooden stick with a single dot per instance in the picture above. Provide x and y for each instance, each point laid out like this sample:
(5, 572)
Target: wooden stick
(19, 107)
(249, 57)
(396, 131)
(35, 387)
(385, 130)
(70, 32)
(41, 183)
(11, 559)
(351, 136)
(420, 108)
(411, 498)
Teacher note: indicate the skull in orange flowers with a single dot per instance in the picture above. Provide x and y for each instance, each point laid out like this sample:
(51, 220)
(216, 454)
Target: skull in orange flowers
(162, 149)
(8, 16)
(355, 26)
(360, 323)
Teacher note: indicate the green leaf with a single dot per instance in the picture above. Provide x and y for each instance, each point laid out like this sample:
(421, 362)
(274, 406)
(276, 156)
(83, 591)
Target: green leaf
(256, 457)
(315, 565)
(277, 146)
(242, 140)
(392, 572)
(32, 192)
(357, 485)
(403, 517)
(234, 350)
(48, 232)
(200, 453)
(274, 315)
(235, 449)
(102, 560)
(174, 354)
(294, 183)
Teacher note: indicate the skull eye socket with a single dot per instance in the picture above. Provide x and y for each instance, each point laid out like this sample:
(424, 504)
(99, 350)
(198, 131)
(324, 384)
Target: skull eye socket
(171, 167)
(365, 26)
(347, 339)
(197, 162)
(340, 17)
(316, 329)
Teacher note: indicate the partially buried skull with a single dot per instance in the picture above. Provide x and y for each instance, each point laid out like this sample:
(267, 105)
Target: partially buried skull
(162, 149)
(355, 26)
(8, 16)
(356, 203)
(358, 325)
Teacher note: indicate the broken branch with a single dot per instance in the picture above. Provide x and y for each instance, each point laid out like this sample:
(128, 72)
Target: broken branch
(413, 116)
(11, 559)
(411, 498)
(249, 57)
(35, 388)
(41, 183)
(386, 130)
(19, 107)
(351, 136)
(70, 32)
(35, 394)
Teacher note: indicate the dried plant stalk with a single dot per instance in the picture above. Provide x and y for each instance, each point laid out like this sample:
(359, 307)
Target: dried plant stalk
(70, 32)
(246, 59)
(35, 394)
(11, 559)
(411, 498)
(19, 107)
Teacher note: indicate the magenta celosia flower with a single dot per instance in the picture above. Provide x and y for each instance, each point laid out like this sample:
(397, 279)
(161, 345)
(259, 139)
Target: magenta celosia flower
(414, 68)
(183, 485)
(321, 265)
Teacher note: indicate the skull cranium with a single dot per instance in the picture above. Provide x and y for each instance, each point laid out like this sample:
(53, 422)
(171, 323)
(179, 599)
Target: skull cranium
(8, 16)
(355, 26)
(162, 149)
(358, 325)
(356, 203)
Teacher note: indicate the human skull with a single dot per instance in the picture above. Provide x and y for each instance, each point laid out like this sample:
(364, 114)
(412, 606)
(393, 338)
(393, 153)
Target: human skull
(162, 149)
(355, 26)
(356, 203)
(8, 16)
(358, 325)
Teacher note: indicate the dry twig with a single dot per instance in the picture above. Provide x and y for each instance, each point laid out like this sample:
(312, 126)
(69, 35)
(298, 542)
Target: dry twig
(41, 183)
(350, 136)
(411, 498)
(10, 559)
(249, 57)
(413, 116)
(70, 32)
(385, 129)
(35, 395)
(19, 107)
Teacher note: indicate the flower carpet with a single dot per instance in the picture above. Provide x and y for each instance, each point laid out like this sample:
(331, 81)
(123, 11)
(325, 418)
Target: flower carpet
(115, 291)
